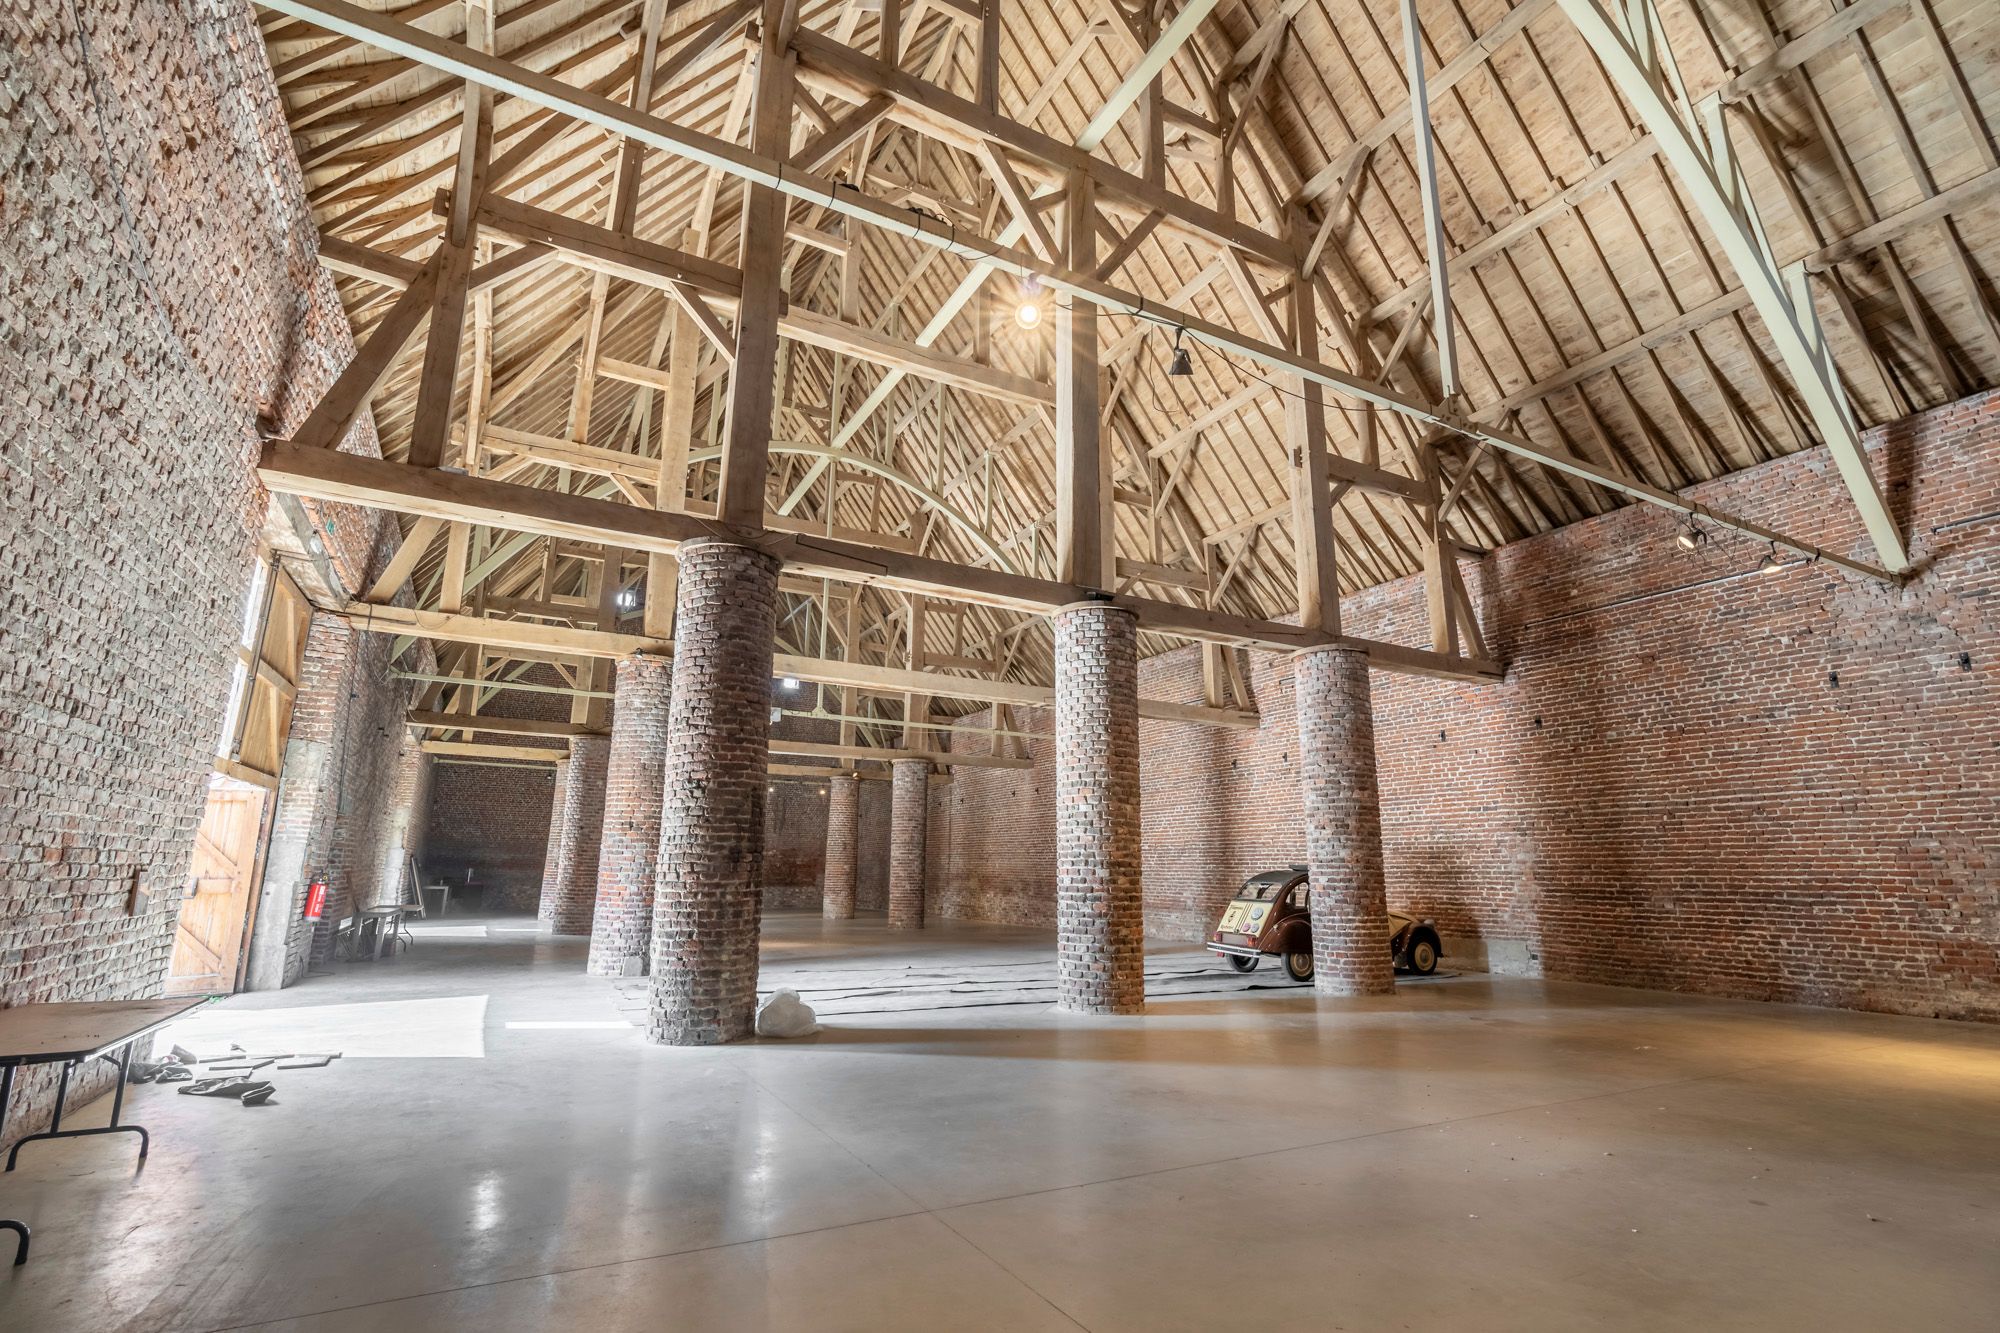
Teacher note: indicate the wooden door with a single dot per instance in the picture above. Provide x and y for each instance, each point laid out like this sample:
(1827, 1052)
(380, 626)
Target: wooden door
(215, 904)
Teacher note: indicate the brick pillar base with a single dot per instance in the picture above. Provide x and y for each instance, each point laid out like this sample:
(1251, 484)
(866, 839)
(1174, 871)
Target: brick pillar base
(579, 829)
(708, 898)
(909, 827)
(553, 854)
(1100, 927)
(1343, 814)
(843, 818)
(621, 932)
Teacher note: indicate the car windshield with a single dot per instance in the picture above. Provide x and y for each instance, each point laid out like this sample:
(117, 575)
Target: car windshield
(1257, 893)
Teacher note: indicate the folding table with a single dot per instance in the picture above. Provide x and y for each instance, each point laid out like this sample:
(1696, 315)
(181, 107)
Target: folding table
(72, 1035)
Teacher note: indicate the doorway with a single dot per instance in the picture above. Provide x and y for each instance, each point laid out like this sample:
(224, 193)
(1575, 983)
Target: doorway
(222, 879)
(225, 871)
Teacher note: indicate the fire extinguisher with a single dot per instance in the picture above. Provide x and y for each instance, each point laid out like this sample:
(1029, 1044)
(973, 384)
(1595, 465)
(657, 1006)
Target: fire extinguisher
(315, 899)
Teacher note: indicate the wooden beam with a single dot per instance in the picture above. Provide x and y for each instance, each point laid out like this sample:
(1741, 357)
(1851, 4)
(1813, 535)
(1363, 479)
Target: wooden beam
(1318, 577)
(478, 750)
(936, 110)
(683, 274)
(1324, 181)
(1141, 76)
(518, 636)
(821, 750)
(330, 475)
(1435, 252)
(1707, 170)
(337, 412)
(503, 726)
(1084, 549)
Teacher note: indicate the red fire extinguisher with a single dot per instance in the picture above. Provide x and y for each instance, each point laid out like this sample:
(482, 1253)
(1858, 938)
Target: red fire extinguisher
(315, 899)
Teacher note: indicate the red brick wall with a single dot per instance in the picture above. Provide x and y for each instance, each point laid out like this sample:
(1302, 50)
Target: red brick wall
(496, 821)
(794, 841)
(1696, 778)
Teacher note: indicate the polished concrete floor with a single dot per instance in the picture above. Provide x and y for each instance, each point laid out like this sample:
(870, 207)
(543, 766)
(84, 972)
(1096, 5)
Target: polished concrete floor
(499, 1150)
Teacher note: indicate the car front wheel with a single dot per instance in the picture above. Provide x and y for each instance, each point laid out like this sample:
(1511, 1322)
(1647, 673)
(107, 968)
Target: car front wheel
(1242, 964)
(1424, 956)
(1299, 966)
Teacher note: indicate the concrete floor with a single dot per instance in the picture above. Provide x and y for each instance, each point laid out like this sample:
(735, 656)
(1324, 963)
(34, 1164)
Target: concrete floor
(1485, 1153)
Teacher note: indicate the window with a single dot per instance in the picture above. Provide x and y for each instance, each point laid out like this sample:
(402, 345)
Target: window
(249, 645)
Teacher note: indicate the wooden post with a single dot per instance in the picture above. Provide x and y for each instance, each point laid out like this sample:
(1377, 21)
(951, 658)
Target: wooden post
(1312, 512)
(746, 448)
(1083, 483)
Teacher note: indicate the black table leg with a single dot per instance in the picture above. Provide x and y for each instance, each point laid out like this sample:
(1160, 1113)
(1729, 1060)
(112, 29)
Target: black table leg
(55, 1129)
(7, 1223)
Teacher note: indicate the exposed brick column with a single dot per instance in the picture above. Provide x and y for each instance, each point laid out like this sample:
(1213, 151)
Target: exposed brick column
(1343, 813)
(406, 825)
(909, 827)
(843, 825)
(302, 828)
(1100, 926)
(554, 852)
(708, 898)
(579, 828)
(621, 934)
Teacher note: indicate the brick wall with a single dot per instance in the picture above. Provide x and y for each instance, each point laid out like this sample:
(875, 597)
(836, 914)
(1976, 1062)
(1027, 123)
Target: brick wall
(794, 841)
(351, 783)
(1696, 778)
(494, 820)
(157, 282)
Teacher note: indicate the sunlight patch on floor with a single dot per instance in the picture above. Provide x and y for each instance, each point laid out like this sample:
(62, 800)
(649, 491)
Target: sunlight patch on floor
(442, 1028)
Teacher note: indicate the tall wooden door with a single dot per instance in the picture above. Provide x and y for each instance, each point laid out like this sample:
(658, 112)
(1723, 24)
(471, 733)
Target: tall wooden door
(215, 905)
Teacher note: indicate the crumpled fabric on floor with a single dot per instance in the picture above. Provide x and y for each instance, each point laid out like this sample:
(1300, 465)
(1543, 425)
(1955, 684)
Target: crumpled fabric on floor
(783, 1014)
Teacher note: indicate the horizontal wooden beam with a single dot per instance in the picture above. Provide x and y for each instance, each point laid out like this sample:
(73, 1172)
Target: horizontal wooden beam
(943, 758)
(504, 726)
(328, 474)
(526, 636)
(478, 750)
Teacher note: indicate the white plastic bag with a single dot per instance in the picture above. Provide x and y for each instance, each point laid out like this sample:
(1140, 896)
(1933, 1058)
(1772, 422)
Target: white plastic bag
(784, 1014)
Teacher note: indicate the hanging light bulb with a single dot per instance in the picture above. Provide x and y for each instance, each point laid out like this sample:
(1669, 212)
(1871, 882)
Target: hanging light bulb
(1028, 314)
(1771, 563)
(1183, 363)
(1691, 537)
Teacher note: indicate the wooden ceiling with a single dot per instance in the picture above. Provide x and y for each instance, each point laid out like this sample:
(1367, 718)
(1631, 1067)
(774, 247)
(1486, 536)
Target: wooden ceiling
(1594, 313)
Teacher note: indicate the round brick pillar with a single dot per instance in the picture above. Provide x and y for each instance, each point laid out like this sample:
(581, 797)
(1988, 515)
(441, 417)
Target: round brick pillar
(909, 821)
(554, 852)
(843, 820)
(621, 934)
(708, 897)
(1343, 812)
(1100, 926)
(578, 827)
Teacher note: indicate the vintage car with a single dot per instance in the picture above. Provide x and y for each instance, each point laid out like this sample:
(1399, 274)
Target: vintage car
(1268, 916)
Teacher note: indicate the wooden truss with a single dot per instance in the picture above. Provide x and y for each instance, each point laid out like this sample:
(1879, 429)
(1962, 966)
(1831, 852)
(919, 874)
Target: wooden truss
(841, 135)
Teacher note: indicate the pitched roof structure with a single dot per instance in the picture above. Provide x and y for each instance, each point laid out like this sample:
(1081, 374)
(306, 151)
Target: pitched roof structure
(1624, 251)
